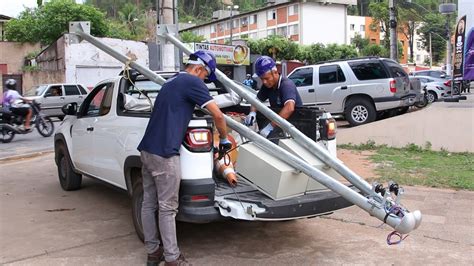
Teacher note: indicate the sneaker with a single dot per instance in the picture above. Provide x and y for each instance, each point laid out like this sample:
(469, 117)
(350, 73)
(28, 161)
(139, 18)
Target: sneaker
(181, 261)
(156, 257)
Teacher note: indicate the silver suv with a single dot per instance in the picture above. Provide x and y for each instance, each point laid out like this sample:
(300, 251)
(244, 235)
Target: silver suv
(359, 89)
(54, 96)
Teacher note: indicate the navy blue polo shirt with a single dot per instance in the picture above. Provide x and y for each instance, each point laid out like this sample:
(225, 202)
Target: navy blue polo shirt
(285, 91)
(171, 114)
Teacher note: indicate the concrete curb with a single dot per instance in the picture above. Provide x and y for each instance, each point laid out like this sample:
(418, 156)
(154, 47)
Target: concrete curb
(25, 156)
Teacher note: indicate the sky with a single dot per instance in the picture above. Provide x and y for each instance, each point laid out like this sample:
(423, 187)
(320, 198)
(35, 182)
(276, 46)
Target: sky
(13, 8)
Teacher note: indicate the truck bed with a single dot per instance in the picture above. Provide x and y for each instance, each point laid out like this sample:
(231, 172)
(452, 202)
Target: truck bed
(308, 205)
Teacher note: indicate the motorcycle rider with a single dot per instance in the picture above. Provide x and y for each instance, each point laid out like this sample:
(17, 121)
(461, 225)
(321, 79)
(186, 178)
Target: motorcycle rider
(11, 103)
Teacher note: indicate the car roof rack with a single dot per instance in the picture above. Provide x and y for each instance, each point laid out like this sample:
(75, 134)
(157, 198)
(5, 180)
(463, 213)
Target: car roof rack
(347, 59)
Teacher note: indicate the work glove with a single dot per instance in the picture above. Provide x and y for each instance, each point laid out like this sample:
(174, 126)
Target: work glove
(266, 130)
(250, 119)
(224, 146)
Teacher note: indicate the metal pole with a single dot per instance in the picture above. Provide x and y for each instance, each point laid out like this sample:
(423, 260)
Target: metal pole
(431, 54)
(404, 224)
(393, 31)
(448, 48)
(231, 23)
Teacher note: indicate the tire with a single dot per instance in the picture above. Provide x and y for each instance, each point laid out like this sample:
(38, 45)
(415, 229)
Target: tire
(359, 111)
(403, 110)
(45, 126)
(7, 135)
(68, 179)
(455, 90)
(422, 103)
(137, 199)
(431, 97)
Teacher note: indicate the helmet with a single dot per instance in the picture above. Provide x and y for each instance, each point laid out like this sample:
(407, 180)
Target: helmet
(10, 84)
(209, 59)
(263, 65)
(248, 76)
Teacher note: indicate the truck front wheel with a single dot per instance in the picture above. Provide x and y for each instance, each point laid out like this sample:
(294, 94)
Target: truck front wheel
(137, 199)
(68, 179)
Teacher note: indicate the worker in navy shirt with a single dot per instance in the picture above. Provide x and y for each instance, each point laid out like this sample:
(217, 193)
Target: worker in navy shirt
(161, 173)
(280, 91)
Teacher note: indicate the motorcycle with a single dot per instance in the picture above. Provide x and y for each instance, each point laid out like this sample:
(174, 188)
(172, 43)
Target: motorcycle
(9, 123)
(424, 99)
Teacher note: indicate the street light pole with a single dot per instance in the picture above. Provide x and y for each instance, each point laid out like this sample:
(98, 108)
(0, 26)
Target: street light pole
(232, 20)
(393, 30)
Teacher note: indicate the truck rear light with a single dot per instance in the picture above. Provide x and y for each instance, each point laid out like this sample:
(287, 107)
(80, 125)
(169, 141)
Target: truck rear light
(199, 197)
(198, 139)
(447, 83)
(328, 128)
(393, 87)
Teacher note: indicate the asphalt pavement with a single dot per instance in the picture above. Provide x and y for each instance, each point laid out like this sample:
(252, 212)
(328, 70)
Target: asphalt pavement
(40, 224)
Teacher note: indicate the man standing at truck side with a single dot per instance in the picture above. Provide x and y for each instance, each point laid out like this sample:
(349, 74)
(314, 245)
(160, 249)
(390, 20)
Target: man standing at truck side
(280, 91)
(159, 149)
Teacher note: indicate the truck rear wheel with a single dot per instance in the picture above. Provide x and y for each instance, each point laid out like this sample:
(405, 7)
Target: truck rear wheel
(359, 111)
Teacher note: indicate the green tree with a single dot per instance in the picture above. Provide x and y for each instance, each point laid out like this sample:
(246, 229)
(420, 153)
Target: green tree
(374, 50)
(379, 12)
(434, 24)
(189, 36)
(359, 42)
(47, 23)
(275, 46)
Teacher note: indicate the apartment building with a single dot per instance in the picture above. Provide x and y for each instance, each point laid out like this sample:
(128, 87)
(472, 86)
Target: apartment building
(305, 22)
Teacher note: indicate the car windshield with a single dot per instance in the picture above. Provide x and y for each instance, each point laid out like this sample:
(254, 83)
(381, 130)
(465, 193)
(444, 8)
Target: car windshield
(37, 90)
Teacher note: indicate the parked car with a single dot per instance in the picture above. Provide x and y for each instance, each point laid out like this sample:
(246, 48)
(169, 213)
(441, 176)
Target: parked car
(437, 90)
(359, 89)
(439, 74)
(54, 96)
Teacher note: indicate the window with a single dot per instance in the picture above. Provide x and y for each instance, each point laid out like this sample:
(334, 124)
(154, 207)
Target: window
(373, 41)
(253, 19)
(293, 10)
(352, 26)
(362, 27)
(396, 70)
(435, 74)
(244, 21)
(220, 27)
(235, 23)
(282, 31)
(213, 28)
(271, 14)
(100, 102)
(83, 91)
(366, 70)
(418, 45)
(71, 90)
(270, 32)
(331, 74)
(417, 57)
(302, 77)
(293, 29)
(54, 91)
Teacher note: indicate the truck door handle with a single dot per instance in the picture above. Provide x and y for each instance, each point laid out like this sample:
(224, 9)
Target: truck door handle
(90, 129)
(311, 90)
(344, 88)
(62, 98)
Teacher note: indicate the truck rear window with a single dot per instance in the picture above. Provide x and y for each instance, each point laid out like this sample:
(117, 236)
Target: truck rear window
(368, 70)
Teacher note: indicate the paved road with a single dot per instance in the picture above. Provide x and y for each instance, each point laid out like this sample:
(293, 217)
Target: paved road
(28, 144)
(42, 225)
(445, 125)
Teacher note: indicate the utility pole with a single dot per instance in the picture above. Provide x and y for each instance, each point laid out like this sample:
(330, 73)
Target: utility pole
(446, 9)
(431, 54)
(393, 31)
(166, 16)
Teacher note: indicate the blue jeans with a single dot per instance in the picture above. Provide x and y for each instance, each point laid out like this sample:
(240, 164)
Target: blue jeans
(161, 180)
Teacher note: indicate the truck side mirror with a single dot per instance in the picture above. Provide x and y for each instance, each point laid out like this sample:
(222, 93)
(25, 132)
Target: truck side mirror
(70, 109)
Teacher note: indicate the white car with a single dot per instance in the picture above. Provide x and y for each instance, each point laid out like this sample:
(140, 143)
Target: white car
(52, 97)
(100, 140)
(437, 91)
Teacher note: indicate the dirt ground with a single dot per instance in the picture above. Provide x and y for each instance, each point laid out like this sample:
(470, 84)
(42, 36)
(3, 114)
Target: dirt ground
(358, 162)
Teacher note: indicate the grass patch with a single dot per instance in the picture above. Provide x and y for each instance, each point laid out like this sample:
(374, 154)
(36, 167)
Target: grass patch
(415, 165)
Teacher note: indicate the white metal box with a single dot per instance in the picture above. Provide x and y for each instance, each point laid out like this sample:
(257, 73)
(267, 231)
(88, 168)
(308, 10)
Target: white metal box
(296, 149)
(270, 175)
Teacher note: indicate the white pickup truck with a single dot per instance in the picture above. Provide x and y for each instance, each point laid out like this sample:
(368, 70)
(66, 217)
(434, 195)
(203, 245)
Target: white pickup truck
(100, 139)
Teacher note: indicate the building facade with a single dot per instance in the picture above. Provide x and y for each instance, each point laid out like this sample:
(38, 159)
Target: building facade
(305, 22)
